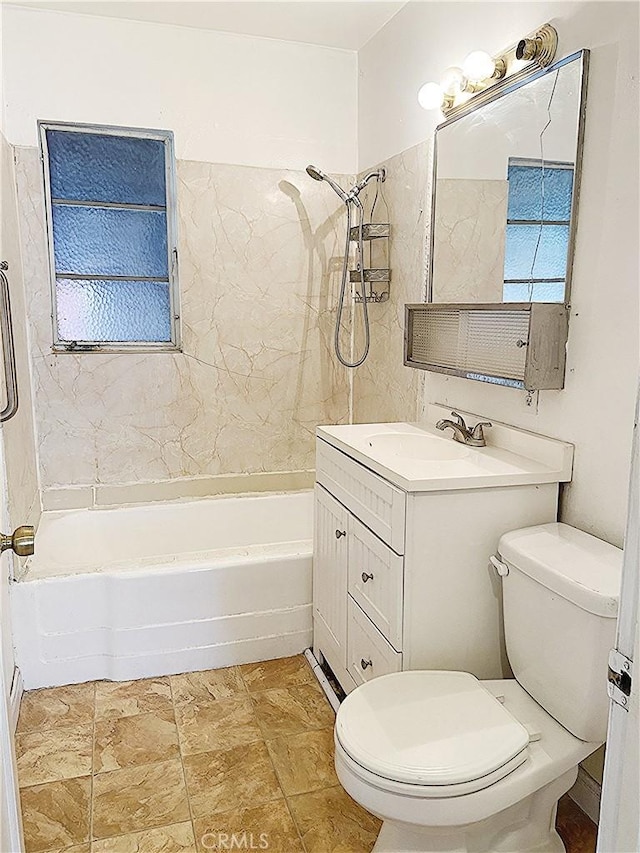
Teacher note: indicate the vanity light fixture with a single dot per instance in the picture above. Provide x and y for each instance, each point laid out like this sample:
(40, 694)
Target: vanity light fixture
(480, 70)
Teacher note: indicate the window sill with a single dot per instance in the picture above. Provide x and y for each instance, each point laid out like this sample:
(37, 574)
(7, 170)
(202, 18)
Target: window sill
(89, 349)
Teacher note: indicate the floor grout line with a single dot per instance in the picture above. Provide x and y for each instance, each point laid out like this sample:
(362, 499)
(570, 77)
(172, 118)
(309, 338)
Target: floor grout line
(184, 772)
(93, 759)
(93, 722)
(125, 834)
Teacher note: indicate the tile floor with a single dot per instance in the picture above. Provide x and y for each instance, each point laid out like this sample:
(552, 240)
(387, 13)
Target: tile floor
(180, 763)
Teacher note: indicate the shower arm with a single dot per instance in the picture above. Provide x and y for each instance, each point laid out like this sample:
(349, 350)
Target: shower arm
(378, 174)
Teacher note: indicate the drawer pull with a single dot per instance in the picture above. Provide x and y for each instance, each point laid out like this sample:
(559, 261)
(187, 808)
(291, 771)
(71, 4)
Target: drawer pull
(365, 663)
(366, 577)
(340, 533)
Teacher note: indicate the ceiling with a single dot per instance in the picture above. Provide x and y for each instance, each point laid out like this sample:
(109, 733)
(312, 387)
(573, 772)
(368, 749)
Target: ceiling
(347, 24)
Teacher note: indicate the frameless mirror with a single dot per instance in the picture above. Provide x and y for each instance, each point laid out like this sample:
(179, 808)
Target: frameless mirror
(506, 178)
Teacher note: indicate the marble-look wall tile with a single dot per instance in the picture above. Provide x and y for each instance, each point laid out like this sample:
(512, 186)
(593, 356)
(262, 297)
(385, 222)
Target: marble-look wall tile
(18, 433)
(258, 281)
(470, 229)
(384, 389)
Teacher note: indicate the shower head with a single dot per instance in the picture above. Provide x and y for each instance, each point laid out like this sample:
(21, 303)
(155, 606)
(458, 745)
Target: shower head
(317, 175)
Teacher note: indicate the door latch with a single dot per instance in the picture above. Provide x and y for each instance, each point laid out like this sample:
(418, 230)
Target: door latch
(620, 677)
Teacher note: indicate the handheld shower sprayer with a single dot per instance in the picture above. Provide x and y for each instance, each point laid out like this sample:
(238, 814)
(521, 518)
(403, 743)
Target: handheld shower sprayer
(317, 175)
(349, 198)
(356, 189)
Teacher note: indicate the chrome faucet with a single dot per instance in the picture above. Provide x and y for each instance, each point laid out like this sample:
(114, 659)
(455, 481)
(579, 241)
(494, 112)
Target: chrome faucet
(473, 436)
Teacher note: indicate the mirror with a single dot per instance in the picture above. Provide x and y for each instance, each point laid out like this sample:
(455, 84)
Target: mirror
(506, 178)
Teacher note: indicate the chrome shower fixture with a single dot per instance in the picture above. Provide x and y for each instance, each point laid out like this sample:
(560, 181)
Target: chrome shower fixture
(378, 174)
(357, 234)
(317, 175)
(356, 189)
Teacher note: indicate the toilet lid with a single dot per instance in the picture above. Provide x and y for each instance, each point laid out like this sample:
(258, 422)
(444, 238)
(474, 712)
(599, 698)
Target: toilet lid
(428, 728)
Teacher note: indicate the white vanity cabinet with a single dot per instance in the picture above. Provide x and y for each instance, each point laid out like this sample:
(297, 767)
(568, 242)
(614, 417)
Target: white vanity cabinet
(402, 579)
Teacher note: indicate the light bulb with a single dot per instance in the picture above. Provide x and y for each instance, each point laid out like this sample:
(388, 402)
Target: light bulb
(453, 81)
(430, 96)
(478, 66)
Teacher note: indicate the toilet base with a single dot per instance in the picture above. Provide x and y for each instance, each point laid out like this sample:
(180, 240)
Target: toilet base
(526, 827)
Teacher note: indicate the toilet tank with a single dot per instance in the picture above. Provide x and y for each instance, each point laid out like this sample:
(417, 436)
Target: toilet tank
(560, 599)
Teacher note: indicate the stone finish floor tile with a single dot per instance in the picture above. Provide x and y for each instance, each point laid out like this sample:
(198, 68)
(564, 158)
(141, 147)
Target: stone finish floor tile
(135, 740)
(56, 706)
(331, 822)
(283, 672)
(304, 762)
(237, 786)
(177, 838)
(127, 698)
(578, 832)
(286, 711)
(221, 724)
(207, 685)
(137, 798)
(270, 826)
(56, 815)
(237, 778)
(53, 754)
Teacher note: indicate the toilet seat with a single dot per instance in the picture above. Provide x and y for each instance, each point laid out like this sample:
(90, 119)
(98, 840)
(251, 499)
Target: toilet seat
(437, 734)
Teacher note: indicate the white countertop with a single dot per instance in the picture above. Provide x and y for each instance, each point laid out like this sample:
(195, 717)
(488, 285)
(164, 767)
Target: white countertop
(397, 451)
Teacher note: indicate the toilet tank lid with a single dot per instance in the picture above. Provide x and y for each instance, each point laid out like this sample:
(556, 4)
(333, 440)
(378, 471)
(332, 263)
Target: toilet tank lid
(574, 564)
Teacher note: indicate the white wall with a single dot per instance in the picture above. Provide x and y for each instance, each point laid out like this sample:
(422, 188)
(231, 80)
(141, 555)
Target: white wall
(595, 410)
(424, 38)
(229, 98)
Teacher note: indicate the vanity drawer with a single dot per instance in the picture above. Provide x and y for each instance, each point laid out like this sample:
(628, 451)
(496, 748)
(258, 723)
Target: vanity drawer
(368, 653)
(376, 502)
(376, 581)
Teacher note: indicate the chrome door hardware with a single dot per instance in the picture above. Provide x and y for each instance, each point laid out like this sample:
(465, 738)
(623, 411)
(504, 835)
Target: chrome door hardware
(366, 577)
(21, 541)
(8, 347)
(340, 533)
(620, 678)
(365, 663)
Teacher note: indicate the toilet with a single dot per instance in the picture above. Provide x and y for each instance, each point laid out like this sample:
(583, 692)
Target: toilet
(450, 763)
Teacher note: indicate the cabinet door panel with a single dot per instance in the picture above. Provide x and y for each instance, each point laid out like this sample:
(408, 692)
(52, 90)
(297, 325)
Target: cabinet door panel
(330, 573)
(379, 504)
(375, 581)
(369, 654)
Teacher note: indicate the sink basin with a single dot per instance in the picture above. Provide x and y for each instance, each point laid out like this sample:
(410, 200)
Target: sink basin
(419, 458)
(412, 446)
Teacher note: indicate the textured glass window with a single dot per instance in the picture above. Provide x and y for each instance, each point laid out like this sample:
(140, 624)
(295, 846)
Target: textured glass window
(111, 234)
(538, 225)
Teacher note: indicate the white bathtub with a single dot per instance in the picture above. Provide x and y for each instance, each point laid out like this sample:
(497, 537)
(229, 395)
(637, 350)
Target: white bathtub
(137, 591)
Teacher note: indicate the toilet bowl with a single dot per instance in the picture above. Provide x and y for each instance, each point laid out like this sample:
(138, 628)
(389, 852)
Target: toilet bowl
(451, 763)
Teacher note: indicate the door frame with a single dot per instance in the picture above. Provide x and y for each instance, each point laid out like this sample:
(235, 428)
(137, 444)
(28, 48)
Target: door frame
(620, 811)
(11, 838)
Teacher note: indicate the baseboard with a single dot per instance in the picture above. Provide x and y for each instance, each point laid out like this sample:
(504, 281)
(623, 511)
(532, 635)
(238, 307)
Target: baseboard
(586, 794)
(15, 697)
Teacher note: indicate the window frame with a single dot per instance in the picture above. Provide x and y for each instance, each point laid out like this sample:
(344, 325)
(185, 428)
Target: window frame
(166, 137)
(541, 164)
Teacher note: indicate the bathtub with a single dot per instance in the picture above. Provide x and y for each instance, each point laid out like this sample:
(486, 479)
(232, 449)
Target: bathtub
(144, 590)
